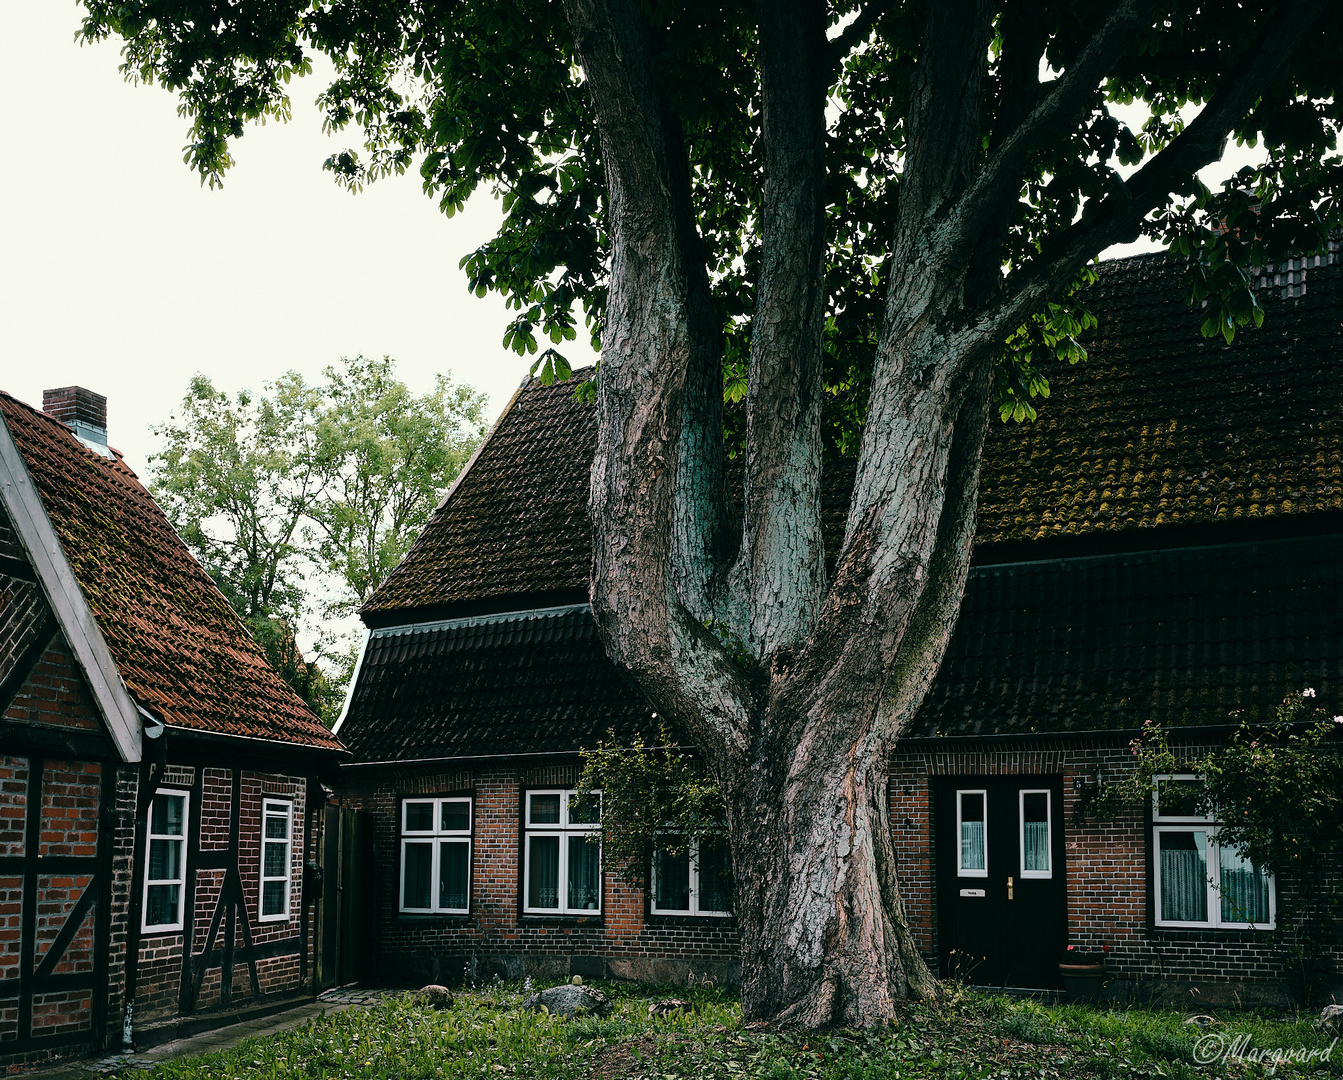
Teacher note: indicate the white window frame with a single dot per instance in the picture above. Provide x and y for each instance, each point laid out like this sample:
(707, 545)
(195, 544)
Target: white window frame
(1035, 875)
(564, 830)
(269, 808)
(962, 871)
(436, 837)
(181, 882)
(694, 908)
(1174, 823)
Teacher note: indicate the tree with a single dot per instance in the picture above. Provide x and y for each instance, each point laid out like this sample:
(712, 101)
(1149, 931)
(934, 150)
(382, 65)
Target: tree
(864, 222)
(300, 500)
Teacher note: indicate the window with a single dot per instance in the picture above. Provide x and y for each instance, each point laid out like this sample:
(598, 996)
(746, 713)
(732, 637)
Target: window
(436, 855)
(563, 868)
(971, 827)
(1035, 828)
(1200, 882)
(277, 821)
(693, 878)
(165, 867)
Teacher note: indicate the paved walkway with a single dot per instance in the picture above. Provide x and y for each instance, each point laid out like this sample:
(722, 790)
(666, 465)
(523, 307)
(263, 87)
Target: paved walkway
(224, 1038)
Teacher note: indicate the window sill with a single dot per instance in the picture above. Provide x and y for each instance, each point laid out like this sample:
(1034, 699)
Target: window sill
(1208, 933)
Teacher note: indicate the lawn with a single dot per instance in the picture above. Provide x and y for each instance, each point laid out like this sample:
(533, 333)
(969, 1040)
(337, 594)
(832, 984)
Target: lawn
(968, 1035)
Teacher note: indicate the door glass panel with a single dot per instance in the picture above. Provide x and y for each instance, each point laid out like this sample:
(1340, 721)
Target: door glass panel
(1179, 798)
(1244, 889)
(1184, 875)
(973, 853)
(1035, 832)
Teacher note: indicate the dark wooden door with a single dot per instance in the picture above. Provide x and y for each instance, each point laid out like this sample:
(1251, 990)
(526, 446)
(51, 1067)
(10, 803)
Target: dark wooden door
(1002, 893)
(344, 938)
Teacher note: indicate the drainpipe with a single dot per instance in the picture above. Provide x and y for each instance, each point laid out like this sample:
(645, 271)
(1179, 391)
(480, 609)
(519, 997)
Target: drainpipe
(151, 773)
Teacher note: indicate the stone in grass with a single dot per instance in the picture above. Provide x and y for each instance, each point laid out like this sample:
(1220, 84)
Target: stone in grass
(435, 996)
(1331, 1019)
(1200, 1021)
(569, 1000)
(668, 1006)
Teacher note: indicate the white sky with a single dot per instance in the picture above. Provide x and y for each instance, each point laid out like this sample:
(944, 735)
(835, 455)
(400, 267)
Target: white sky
(120, 273)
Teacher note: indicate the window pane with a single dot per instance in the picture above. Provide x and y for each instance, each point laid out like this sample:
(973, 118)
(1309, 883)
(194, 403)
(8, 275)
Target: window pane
(169, 812)
(272, 897)
(277, 826)
(276, 860)
(584, 877)
(161, 905)
(419, 817)
(1179, 798)
(672, 877)
(1184, 876)
(972, 831)
(545, 809)
(1244, 889)
(454, 864)
(543, 870)
(419, 868)
(588, 811)
(165, 860)
(455, 816)
(715, 874)
(1035, 831)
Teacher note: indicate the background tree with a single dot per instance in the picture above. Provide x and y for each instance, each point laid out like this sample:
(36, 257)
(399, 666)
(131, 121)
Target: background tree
(868, 221)
(299, 500)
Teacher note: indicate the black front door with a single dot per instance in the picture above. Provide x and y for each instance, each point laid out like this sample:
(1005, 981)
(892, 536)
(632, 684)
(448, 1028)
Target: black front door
(1002, 897)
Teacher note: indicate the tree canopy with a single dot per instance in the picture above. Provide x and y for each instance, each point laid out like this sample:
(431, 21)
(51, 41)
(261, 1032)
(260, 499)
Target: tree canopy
(299, 500)
(863, 224)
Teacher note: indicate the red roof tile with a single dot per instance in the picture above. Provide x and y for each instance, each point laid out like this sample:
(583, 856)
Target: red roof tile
(181, 650)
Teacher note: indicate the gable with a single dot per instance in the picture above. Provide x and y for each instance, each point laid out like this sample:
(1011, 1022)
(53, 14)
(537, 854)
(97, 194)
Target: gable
(149, 628)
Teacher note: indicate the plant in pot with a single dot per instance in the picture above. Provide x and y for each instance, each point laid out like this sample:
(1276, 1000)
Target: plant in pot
(1084, 972)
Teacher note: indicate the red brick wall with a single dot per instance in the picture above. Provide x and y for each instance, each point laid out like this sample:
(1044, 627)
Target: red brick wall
(495, 938)
(54, 694)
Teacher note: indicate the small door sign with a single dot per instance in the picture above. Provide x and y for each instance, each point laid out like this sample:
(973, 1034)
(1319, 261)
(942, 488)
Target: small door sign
(972, 892)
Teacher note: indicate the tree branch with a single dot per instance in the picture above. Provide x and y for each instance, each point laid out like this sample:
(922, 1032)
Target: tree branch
(838, 47)
(1119, 214)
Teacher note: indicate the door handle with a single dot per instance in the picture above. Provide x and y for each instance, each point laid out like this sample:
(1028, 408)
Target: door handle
(1009, 888)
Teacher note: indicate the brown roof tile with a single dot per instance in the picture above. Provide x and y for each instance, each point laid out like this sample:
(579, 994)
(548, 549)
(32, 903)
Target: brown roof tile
(1158, 427)
(182, 652)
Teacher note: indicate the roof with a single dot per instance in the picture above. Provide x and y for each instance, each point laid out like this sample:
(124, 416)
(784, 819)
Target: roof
(1158, 428)
(178, 646)
(1185, 637)
(531, 683)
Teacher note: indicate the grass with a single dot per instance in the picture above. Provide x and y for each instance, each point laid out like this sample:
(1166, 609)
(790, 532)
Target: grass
(966, 1036)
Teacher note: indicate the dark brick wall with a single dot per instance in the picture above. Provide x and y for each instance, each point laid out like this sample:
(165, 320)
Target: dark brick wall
(1107, 867)
(495, 938)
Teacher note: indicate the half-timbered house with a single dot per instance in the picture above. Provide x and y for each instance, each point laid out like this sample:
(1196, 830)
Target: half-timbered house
(1165, 543)
(157, 776)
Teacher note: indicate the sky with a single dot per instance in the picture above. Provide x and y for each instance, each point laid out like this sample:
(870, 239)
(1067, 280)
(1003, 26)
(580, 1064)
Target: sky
(120, 273)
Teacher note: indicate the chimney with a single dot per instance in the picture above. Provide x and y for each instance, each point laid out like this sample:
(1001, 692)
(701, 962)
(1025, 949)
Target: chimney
(83, 412)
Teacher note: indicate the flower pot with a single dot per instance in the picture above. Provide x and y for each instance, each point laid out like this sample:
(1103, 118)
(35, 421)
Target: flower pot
(1084, 982)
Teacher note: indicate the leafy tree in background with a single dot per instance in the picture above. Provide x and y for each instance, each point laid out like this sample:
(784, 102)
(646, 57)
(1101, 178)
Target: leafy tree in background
(299, 500)
(866, 222)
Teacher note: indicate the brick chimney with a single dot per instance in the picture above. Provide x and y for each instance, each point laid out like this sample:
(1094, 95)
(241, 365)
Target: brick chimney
(82, 411)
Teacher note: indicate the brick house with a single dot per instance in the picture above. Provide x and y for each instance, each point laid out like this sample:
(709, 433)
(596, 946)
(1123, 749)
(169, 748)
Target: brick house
(156, 775)
(1165, 543)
